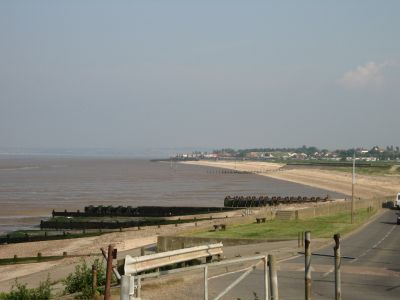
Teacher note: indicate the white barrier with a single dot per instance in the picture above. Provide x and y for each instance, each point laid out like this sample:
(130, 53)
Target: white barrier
(133, 265)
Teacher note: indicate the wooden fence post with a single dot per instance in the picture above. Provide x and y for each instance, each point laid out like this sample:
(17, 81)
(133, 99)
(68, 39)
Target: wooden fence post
(273, 277)
(307, 267)
(338, 289)
(107, 292)
(94, 282)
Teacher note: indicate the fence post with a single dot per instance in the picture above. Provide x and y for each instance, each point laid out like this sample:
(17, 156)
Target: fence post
(273, 277)
(206, 283)
(265, 278)
(302, 238)
(107, 293)
(307, 267)
(94, 282)
(338, 289)
(299, 239)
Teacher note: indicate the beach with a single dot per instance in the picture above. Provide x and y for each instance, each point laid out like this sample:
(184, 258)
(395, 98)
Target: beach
(366, 186)
(271, 177)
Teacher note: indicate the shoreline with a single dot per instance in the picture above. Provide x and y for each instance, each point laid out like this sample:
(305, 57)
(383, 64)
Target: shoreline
(366, 186)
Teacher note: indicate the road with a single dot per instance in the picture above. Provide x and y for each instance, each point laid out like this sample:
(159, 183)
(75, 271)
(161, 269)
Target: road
(372, 270)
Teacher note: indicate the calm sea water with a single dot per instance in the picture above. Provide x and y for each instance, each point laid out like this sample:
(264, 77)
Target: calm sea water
(30, 187)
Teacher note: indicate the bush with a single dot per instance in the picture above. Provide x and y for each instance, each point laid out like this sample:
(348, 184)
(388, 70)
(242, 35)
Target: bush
(21, 292)
(81, 280)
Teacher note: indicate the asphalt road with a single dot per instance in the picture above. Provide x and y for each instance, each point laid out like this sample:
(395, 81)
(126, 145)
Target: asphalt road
(372, 270)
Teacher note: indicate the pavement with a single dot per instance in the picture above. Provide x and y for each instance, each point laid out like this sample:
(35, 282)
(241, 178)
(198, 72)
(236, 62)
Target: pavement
(371, 269)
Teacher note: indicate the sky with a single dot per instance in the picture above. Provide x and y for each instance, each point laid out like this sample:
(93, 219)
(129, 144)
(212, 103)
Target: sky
(199, 74)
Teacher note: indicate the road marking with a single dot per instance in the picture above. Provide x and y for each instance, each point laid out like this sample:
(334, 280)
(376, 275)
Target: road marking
(376, 245)
(329, 272)
(237, 271)
(387, 234)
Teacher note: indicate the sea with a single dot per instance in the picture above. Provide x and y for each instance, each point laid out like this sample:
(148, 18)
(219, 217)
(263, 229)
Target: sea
(31, 186)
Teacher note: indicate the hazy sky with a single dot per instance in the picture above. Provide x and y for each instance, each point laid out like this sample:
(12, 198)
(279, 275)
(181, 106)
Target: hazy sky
(127, 74)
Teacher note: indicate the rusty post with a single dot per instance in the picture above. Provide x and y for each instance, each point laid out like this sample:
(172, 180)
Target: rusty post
(107, 293)
(94, 282)
(338, 288)
(114, 256)
(307, 267)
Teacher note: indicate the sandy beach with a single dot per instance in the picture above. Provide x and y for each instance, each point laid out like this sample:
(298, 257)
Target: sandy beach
(335, 181)
(366, 187)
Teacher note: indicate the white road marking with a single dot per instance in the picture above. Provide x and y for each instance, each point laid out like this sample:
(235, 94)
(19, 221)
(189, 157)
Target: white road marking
(376, 245)
(329, 272)
(237, 271)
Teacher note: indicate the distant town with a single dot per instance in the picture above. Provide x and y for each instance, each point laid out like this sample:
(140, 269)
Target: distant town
(304, 153)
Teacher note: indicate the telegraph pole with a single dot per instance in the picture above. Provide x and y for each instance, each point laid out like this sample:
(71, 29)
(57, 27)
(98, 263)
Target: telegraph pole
(352, 187)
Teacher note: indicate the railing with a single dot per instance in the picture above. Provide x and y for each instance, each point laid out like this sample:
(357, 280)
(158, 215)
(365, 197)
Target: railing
(131, 284)
(134, 265)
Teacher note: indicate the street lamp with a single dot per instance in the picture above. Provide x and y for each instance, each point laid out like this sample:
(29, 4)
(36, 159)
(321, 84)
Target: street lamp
(352, 187)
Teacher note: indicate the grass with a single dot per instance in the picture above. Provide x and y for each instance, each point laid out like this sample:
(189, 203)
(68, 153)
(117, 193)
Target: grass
(321, 227)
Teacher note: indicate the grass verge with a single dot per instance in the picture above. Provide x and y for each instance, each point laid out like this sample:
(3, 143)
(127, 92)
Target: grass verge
(321, 227)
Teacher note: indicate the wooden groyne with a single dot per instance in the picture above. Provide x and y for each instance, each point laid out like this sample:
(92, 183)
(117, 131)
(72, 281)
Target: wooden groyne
(259, 201)
(140, 211)
(81, 225)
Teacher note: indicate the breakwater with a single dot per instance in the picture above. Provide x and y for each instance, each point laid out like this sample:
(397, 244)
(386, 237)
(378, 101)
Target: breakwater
(140, 211)
(257, 201)
(82, 225)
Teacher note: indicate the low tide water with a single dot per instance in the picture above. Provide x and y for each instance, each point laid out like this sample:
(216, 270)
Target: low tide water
(32, 186)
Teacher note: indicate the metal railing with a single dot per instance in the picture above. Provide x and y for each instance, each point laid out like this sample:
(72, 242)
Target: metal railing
(131, 284)
(134, 265)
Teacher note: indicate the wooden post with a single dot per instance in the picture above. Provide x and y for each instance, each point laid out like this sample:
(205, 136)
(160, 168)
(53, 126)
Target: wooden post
(107, 293)
(94, 282)
(273, 277)
(338, 289)
(307, 267)
(299, 239)
(265, 278)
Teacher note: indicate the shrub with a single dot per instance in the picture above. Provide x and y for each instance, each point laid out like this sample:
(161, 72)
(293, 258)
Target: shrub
(81, 280)
(21, 292)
